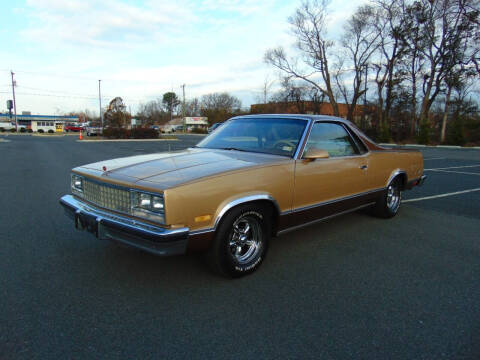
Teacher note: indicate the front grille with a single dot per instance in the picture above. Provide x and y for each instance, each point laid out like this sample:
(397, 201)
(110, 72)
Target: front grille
(106, 196)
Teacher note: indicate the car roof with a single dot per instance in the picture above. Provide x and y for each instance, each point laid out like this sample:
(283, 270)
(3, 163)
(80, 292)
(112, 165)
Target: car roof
(296, 116)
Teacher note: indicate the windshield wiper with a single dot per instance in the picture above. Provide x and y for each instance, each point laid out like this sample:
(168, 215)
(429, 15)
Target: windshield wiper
(233, 148)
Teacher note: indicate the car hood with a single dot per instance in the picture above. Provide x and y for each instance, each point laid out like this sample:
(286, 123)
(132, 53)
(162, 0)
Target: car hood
(165, 170)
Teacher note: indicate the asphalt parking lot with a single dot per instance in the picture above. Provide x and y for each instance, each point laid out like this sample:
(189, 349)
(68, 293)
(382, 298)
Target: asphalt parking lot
(353, 287)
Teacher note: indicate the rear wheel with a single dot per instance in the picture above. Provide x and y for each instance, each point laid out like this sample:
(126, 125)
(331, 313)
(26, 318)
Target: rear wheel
(387, 205)
(241, 241)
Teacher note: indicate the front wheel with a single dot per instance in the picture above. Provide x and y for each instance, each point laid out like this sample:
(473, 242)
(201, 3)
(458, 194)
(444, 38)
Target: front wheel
(388, 204)
(241, 241)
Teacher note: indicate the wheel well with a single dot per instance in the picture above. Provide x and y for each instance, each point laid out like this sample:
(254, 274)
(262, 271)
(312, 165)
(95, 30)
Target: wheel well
(274, 211)
(263, 203)
(403, 179)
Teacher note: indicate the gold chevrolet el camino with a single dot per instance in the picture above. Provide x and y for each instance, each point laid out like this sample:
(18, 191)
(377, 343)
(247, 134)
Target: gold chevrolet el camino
(253, 178)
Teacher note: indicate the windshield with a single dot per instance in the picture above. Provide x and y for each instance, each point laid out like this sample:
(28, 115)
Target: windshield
(263, 135)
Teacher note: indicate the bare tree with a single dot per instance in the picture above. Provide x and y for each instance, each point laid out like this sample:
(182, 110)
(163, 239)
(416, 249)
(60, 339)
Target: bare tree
(308, 24)
(265, 90)
(293, 94)
(359, 42)
(193, 107)
(447, 27)
(221, 101)
(152, 113)
(389, 53)
(219, 107)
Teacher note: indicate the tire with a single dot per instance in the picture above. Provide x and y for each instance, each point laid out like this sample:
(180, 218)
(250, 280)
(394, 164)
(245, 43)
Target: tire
(241, 241)
(387, 205)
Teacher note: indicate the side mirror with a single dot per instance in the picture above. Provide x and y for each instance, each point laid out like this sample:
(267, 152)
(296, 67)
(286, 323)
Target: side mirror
(314, 153)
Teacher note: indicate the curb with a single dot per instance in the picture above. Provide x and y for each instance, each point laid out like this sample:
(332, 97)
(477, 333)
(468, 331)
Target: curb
(15, 134)
(189, 134)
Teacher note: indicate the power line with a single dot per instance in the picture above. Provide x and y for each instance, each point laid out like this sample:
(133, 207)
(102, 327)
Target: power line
(86, 78)
(58, 91)
(86, 97)
(53, 95)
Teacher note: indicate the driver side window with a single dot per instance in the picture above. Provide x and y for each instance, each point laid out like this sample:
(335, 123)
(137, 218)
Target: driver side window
(333, 138)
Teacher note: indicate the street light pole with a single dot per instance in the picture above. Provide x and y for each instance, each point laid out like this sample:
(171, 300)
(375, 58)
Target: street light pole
(100, 103)
(183, 110)
(14, 102)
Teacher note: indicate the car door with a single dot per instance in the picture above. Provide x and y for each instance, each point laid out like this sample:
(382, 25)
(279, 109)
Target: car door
(327, 186)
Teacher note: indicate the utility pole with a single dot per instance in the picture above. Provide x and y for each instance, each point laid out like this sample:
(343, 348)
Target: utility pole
(183, 109)
(14, 102)
(100, 103)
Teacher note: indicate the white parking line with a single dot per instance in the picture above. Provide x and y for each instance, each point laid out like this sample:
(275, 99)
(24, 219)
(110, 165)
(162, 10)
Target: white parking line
(442, 195)
(457, 172)
(452, 167)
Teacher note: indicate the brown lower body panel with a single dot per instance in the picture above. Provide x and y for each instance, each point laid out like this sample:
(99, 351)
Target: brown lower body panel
(202, 241)
(320, 211)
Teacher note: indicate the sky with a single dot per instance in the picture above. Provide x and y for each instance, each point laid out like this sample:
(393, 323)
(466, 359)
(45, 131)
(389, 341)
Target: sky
(59, 49)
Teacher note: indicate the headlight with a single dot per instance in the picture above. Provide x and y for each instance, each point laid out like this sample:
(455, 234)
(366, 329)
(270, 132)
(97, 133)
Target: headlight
(148, 206)
(77, 184)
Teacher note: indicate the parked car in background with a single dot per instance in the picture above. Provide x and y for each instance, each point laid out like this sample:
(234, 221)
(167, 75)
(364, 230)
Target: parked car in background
(214, 126)
(94, 131)
(73, 127)
(6, 126)
(167, 129)
(255, 177)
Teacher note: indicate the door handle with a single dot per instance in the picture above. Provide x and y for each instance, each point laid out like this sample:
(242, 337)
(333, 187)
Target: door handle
(364, 167)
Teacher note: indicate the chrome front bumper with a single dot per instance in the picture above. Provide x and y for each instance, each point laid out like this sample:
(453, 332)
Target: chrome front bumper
(105, 225)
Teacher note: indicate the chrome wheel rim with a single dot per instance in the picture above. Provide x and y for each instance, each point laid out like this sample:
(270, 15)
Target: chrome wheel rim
(245, 240)
(393, 197)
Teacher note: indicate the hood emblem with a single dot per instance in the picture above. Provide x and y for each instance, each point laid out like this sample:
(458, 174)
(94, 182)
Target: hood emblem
(104, 168)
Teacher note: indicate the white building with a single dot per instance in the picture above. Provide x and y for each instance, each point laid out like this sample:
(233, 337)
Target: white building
(45, 123)
(192, 122)
(198, 122)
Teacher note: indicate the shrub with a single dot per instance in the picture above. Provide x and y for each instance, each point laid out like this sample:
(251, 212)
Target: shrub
(115, 133)
(135, 133)
(455, 133)
(22, 130)
(29, 130)
(424, 134)
(12, 130)
(2, 129)
(51, 131)
(41, 131)
(383, 134)
(143, 133)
